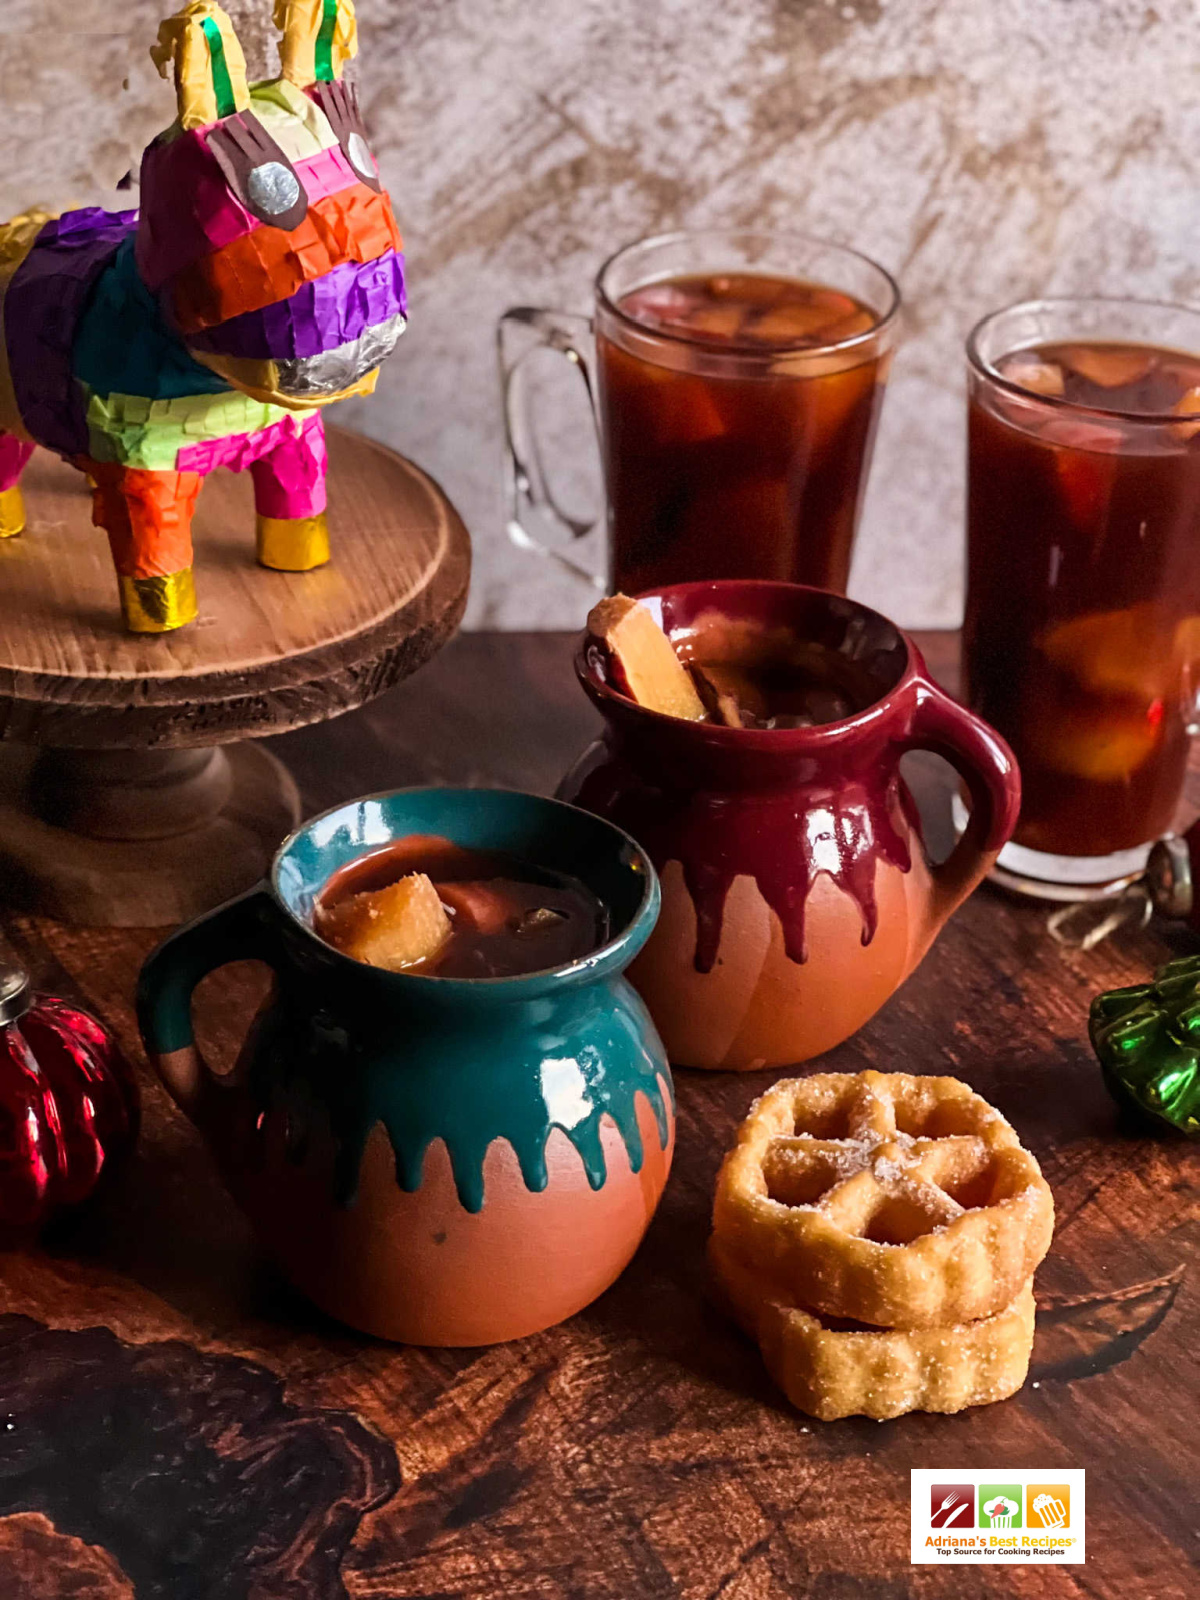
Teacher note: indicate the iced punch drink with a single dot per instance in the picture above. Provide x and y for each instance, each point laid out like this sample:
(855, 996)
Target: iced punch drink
(1082, 631)
(736, 377)
(716, 473)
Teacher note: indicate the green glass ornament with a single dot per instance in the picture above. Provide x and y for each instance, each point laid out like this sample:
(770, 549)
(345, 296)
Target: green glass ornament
(1148, 1041)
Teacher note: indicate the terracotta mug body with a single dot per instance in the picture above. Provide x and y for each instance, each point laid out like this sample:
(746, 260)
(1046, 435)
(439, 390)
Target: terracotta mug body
(797, 894)
(432, 1160)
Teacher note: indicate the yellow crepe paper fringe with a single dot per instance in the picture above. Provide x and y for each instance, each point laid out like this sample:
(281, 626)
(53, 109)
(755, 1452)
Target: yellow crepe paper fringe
(16, 240)
(18, 234)
(299, 23)
(297, 124)
(260, 379)
(200, 71)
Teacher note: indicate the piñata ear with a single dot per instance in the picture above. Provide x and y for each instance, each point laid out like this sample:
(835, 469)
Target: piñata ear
(210, 70)
(317, 38)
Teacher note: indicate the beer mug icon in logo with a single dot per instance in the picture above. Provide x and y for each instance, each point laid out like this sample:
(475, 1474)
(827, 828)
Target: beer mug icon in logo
(1048, 1505)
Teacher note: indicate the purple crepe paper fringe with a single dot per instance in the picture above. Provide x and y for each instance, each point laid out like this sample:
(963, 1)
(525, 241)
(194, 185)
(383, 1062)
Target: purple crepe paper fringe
(322, 313)
(42, 307)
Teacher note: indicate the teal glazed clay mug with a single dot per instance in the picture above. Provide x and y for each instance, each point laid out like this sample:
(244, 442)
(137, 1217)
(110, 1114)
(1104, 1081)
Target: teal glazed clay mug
(439, 1161)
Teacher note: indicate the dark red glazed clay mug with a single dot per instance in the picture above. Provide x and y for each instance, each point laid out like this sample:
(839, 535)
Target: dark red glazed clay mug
(797, 894)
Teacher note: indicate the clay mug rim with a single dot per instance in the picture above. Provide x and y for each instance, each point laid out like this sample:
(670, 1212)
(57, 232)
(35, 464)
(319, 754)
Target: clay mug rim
(725, 595)
(910, 713)
(611, 957)
(264, 924)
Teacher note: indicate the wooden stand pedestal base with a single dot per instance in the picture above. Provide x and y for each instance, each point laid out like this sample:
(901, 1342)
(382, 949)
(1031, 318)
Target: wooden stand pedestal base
(94, 837)
(142, 807)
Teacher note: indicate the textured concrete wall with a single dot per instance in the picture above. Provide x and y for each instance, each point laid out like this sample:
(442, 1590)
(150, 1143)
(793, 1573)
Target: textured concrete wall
(983, 151)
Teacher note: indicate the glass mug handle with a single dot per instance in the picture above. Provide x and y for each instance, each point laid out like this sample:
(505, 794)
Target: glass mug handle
(528, 495)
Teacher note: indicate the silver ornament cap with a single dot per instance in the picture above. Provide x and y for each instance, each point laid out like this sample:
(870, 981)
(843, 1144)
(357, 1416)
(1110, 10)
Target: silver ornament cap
(16, 993)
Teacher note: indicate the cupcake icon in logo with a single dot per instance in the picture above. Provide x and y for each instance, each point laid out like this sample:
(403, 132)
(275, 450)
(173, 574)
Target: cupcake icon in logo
(999, 1505)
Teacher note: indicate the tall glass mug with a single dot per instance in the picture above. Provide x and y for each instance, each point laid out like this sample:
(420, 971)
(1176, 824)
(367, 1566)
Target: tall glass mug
(739, 378)
(1082, 632)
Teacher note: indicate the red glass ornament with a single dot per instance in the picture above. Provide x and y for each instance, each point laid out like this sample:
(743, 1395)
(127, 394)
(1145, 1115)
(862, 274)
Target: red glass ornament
(68, 1103)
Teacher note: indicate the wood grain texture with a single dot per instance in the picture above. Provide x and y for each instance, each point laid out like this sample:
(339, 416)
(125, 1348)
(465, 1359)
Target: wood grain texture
(270, 650)
(190, 1470)
(38, 1562)
(164, 876)
(639, 1452)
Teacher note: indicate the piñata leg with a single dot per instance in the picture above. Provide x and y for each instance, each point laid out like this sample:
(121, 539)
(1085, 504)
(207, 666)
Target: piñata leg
(289, 498)
(14, 453)
(148, 518)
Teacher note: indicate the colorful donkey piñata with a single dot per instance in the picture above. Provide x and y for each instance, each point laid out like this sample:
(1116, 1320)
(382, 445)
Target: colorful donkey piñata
(261, 279)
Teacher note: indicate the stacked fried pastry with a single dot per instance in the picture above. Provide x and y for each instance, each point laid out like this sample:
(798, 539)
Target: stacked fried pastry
(877, 1234)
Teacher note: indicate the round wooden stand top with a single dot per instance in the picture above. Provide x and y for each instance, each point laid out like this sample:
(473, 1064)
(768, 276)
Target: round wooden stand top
(269, 650)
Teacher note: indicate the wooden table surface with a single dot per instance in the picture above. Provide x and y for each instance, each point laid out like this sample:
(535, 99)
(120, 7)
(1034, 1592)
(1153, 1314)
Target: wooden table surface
(178, 1426)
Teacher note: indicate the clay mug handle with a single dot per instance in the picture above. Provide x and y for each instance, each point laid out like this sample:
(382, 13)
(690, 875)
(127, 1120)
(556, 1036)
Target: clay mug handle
(988, 768)
(242, 930)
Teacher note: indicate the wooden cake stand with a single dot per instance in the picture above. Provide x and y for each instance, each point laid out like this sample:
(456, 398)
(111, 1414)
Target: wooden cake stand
(126, 799)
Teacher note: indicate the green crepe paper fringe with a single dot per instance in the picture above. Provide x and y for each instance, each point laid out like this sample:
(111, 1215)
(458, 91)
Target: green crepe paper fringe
(323, 52)
(139, 432)
(222, 86)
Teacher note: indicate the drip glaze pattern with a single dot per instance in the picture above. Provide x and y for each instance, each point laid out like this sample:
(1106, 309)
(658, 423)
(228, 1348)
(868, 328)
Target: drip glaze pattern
(781, 839)
(443, 1161)
(785, 808)
(508, 1072)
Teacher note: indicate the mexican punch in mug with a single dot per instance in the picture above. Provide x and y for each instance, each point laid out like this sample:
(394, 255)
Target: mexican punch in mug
(797, 896)
(1081, 640)
(439, 1160)
(737, 379)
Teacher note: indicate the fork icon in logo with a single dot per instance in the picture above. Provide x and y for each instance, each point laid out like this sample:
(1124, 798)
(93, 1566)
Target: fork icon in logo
(952, 1505)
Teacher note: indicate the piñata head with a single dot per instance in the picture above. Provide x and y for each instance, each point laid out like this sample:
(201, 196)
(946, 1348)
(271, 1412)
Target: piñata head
(262, 279)
(264, 228)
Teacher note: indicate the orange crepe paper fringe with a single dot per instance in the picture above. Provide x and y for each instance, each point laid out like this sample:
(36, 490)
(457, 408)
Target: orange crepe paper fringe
(146, 514)
(255, 270)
